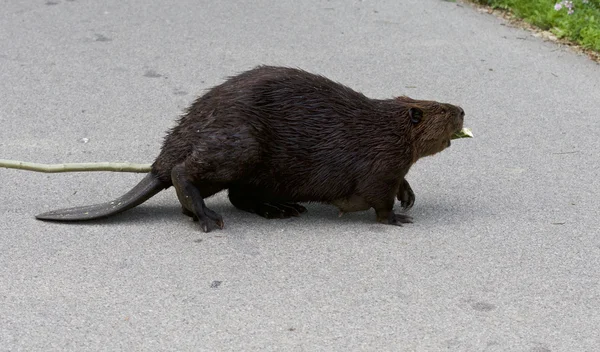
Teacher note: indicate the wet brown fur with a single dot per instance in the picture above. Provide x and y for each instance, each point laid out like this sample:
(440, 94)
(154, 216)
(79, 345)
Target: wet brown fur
(274, 136)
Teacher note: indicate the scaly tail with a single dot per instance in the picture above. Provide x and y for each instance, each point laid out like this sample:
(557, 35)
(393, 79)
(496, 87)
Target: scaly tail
(146, 189)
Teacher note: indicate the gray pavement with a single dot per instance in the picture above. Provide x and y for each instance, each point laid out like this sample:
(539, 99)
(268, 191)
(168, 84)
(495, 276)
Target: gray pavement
(504, 254)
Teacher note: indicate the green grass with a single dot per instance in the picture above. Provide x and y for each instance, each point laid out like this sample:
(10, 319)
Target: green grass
(582, 26)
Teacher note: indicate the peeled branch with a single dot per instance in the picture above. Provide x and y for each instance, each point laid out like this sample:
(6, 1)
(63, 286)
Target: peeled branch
(51, 168)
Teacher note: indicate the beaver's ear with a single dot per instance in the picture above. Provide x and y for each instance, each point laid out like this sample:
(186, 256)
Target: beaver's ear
(415, 114)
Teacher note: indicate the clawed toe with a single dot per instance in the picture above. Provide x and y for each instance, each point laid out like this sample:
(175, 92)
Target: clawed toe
(206, 218)
(218, 219)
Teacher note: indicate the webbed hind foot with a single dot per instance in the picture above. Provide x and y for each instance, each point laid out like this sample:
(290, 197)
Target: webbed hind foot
(279, 210)
(250, 201)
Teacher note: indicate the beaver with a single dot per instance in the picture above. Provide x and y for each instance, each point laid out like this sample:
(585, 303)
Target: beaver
(278, 136)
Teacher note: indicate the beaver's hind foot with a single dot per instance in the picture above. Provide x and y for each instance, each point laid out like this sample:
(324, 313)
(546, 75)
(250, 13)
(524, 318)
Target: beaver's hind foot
(279, 210)
(250, 200)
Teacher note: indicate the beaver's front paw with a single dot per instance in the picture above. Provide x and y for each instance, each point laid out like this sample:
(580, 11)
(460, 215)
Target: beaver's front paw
(405, 195)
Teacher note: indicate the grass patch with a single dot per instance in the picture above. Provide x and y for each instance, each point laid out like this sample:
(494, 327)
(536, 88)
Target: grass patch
(577, 20)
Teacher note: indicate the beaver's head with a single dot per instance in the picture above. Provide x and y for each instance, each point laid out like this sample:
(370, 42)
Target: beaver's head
(432, 125)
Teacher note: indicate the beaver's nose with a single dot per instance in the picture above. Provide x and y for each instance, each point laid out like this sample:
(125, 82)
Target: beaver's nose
(461, 113)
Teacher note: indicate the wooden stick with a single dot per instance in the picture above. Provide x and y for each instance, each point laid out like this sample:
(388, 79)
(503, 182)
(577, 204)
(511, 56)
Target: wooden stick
(75, 167)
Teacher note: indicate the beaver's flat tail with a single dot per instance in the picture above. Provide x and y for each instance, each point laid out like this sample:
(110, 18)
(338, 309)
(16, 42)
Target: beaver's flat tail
(148, 187)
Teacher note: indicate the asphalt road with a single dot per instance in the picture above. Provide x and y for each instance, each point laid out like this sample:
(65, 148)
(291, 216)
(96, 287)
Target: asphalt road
(504, 254)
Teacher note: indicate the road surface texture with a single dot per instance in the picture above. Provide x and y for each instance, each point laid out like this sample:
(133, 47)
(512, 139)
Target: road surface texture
(504, 253)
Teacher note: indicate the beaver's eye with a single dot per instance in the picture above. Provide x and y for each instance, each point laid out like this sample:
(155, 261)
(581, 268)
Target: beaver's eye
(415, 115)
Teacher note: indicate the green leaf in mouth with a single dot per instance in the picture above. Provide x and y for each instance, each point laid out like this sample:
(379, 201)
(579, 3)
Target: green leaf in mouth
(464, 133)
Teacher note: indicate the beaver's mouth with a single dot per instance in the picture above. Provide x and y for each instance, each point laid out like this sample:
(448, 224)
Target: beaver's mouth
(457, 128)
